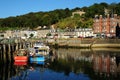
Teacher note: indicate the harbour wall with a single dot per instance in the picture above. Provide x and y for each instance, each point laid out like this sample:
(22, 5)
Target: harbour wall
(85, 43)
(7, 49)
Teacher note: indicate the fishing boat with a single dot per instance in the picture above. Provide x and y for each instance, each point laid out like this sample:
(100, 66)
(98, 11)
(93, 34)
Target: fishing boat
(37, 59)
(41, 48)
(20, 55)
(39, 53)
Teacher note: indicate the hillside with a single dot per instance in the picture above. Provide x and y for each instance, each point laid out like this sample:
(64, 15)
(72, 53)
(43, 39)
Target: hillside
(33, 20)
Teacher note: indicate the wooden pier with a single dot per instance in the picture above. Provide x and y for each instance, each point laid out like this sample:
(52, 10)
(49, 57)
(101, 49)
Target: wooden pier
(7, 50)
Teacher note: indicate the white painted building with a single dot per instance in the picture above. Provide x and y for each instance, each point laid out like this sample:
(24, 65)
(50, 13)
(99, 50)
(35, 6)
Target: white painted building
(81, 32)
(42, 33)
(84, 32)
(29, 33)
(25, 33)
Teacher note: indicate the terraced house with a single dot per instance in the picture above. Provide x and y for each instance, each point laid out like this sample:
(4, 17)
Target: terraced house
(106, 25)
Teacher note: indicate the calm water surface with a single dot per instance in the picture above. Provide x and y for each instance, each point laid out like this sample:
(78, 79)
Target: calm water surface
(68, 64)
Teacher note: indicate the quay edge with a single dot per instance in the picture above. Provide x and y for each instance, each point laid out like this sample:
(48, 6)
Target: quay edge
(86, 43)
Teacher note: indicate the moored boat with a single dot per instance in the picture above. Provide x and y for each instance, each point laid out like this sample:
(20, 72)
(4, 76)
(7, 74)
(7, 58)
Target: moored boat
(21, 55)
(37, 58)
(41, 48)
(39, 53)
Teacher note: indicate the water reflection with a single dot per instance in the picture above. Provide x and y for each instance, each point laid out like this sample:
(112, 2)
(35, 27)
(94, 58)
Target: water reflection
(98, 64)
(107, 62)
(68, 64)
(20, 72)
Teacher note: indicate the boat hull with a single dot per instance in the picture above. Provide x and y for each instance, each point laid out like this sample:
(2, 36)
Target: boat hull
(36, 59)
(20, 58)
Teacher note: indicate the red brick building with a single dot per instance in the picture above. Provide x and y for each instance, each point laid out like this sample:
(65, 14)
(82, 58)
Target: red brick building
(105, 25)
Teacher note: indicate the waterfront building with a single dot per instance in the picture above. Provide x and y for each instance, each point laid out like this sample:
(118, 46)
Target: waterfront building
(28, 34)
(8, 34)
(25, 33)
(84, 32)
(42, 33)
(35, 33)
(106, 25)
(74, 33)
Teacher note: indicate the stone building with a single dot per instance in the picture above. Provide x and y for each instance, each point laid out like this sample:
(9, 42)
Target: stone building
(78, 12)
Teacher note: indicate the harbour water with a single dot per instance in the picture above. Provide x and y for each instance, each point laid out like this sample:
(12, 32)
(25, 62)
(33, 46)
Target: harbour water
(68, 64)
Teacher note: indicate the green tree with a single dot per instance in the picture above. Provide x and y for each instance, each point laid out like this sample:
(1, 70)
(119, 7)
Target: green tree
(31, 35)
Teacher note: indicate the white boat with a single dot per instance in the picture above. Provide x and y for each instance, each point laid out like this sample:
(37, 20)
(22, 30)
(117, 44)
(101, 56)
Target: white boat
(38, 52)
(41, 49)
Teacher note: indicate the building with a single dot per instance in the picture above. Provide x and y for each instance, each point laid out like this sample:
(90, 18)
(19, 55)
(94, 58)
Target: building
(105, 25)
(74, 33)
(84, 32)
(78, 12)
(24, 34)
(8, 34)
(42, 33)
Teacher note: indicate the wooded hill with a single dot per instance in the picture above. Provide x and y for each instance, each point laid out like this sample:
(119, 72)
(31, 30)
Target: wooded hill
(60, 17)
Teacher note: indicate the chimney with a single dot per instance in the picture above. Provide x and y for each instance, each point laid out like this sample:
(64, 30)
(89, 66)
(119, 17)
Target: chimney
(108, 15)
(115, 15)
(100, 16)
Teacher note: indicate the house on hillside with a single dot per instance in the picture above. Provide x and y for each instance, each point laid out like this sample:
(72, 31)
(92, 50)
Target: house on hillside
(78, 12)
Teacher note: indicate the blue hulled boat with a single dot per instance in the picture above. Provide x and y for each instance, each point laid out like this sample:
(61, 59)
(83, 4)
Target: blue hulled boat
(39, 53)
(37, 58)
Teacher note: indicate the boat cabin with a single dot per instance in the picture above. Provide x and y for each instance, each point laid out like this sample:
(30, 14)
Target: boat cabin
(22, 52)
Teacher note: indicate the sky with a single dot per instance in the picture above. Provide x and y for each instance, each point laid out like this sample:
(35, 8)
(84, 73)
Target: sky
(10, 8)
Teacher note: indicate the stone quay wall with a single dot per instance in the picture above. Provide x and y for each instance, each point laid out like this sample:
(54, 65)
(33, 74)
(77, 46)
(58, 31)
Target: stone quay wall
(86, 43)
